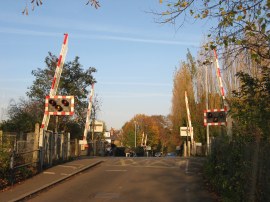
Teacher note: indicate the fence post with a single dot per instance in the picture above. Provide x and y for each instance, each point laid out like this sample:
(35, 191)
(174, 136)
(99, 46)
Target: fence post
(185, 149)
(35, 145)
(41, 151)
(1, 138)
(68, 146)
(76, 147)
(61, 146)
(188, 148)
(55, 142)
(11, 166)
(50, 146)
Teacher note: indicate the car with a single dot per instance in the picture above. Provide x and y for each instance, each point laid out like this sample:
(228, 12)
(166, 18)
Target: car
(158, 154)
(171, 154)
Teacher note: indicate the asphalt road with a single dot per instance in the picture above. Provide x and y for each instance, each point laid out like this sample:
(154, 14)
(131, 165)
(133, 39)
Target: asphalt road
(134, 179)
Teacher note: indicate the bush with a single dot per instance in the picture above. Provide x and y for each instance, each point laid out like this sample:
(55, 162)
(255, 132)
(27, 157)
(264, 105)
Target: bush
(4, 168)
(228, 168)
(10, 176)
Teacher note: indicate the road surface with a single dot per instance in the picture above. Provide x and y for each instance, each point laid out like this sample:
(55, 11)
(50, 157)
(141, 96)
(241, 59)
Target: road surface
(134, 179)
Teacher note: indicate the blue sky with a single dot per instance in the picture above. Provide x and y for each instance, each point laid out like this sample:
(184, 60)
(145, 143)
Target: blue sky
(135, 57)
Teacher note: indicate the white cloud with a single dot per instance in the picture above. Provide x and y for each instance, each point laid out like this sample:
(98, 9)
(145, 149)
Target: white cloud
(141, 40)
(64, 24)
(28, 32)
(99, 37)
(135, 84)
(132, 95)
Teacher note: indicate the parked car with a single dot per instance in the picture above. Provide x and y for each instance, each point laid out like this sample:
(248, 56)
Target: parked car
(171, 154)
(158, 154)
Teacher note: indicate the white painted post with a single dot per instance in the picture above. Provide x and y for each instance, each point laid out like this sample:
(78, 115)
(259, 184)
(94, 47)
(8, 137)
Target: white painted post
(88, 116)
(35, 145)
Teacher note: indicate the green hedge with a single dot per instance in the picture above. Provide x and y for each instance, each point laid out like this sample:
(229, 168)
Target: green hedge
(229, 167)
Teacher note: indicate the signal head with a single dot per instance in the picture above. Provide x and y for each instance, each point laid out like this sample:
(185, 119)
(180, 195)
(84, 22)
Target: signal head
(65, 103)
(52, 102)
(58, 108)
(209, 115)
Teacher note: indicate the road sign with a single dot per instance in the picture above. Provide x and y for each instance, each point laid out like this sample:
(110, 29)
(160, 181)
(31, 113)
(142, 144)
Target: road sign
(82, 142)
(184, 131)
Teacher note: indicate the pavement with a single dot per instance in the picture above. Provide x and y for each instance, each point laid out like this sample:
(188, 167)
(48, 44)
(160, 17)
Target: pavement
(47, 178)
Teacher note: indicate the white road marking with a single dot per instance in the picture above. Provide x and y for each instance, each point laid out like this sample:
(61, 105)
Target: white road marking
(107, 195)
(122, 161)
(116, 170)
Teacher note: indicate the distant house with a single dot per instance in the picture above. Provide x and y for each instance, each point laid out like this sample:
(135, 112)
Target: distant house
(107, 137)
(113, 136)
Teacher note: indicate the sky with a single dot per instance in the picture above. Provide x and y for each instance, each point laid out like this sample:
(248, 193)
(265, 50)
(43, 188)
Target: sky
(135, 56)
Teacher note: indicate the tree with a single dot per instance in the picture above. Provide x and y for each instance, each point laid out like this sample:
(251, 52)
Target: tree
(74, 81)
(34, 3)
(22, 116)
(250, 105)
(244, 24)
(157, 128)
(163, 128)
(128, 134)
(96, 104)
(182, 82)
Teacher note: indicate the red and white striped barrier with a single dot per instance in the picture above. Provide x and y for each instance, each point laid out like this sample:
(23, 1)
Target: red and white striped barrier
(59, 66)
(219, 76)
(189, 117)
(54, 87)
(87, 122)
